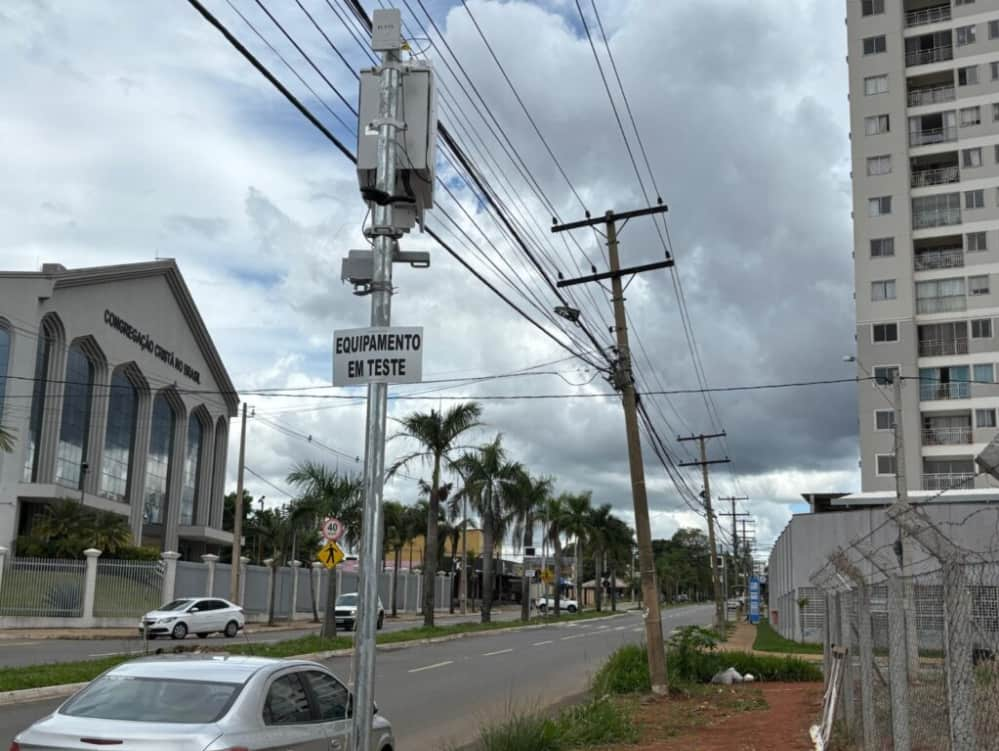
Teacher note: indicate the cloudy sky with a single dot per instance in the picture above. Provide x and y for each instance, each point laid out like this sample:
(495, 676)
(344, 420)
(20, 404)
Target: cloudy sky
(133, 131)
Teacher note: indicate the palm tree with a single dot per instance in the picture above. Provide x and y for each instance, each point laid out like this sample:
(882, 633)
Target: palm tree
(620, 541)
(326, 492)
(395, 539)
(577, 524)
(598, 522)
(110, 531)
(527, 497)
(437, 434)
(303, 516)
(489, 481)
(273, 529)
(6, 440)
(555, 514)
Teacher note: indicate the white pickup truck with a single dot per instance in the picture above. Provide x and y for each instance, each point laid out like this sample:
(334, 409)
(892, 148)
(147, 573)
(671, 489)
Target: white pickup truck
(544, 604)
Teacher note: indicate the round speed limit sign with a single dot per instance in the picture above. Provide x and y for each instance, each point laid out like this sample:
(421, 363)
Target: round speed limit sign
(332, 529)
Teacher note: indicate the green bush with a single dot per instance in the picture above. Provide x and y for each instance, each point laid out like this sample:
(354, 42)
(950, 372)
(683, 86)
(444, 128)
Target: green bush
(625, 672)
(598, 723)
(521, 733)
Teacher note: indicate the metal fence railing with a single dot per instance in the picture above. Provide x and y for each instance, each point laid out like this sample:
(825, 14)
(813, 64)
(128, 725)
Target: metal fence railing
(34, 587)
(127, 588)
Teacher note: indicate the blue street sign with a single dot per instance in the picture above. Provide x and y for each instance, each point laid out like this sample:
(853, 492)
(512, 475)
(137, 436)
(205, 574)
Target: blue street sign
(754, 599)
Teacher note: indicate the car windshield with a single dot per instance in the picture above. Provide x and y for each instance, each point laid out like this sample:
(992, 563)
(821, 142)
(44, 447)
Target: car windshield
(176, 605)
(349, 600)
(136, 699)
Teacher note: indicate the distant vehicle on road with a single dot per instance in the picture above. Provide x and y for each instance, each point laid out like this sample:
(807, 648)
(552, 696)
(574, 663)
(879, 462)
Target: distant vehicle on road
(681, 598)
(544, 604)
(206, 703)
(346, 611)
(193, 615)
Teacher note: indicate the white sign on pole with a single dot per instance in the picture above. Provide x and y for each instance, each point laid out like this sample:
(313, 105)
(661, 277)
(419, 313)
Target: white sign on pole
(332, 529)
(384, 354)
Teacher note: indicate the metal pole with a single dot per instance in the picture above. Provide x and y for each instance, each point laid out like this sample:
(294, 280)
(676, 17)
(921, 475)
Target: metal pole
(902, 494)
(237, 524)
(464, 555)
(643, 529)
(719, 605)
(385, 236)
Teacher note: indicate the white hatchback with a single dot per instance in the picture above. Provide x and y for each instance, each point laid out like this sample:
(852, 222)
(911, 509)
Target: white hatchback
(193, 615)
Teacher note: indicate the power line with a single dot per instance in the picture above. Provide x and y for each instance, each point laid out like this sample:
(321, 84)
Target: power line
(269, 484)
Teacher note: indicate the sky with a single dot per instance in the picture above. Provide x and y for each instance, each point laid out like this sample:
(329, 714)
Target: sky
(135, 131)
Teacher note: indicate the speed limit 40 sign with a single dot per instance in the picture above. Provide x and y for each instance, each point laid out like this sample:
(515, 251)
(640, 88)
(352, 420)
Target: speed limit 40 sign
(332, 529)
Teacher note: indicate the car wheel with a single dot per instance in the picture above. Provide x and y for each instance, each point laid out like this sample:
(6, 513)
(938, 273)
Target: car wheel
(381, 620)
(231, 629)
(179, 631)
(543, 608)
(571, 608)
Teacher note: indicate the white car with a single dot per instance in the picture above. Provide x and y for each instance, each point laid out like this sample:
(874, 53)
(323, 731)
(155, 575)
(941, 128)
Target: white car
(193, 615)
(346, 611)
(544, 604)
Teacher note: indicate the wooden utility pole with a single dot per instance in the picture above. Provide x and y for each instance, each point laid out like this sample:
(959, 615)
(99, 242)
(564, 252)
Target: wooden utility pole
(735, 534)
(703, 464)
(237, 524)
(624, 382)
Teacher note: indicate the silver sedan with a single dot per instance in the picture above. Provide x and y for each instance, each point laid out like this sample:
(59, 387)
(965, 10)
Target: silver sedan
(206, 703)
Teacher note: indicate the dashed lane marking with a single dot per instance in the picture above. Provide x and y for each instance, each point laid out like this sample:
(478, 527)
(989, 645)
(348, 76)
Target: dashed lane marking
(542, 643)
(431, 667)
(497, 652)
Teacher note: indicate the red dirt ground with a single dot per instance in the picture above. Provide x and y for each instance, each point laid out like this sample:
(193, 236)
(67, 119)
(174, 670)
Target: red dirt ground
(783, 725)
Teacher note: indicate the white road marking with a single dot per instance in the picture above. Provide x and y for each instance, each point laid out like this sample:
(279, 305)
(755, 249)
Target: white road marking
(602, 628)
(542, 643)
(431, 667)
(638, 630)
(4, 644)
(620, 628)
(115, 654)
(574, 636)
(497, 652)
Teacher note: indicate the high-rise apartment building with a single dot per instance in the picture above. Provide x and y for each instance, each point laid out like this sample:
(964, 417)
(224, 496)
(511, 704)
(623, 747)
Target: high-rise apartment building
(924, 121)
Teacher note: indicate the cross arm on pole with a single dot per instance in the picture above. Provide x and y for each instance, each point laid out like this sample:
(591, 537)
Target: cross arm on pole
(610, 216)
(700, 464)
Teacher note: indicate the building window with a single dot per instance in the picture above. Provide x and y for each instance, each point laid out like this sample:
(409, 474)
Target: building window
(877, 85)
(885, 332)
(993, 29)
(995, 71)
(965, 35)
(978, 285)
(936, 211)
(158, 463)
(984, 373)
(981, 328)
(884, 375)
(967, 76)
(971, 158)
(970, 116)
(884, 419)
(119, 439)
(4, 357)
(78, 396)
(882, 247)
(38, 395)
(964, 2)
(877, 124)
(878, 165)
(886, 464)
(883, 289)
(878, 44)
(879, 206)
(974, 199)
(872, 7)
(192, 468)
(985, 418)
(976, 241)
(941, 296)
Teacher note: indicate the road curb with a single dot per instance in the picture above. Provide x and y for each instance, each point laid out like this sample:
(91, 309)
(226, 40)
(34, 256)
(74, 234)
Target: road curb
(27, 695)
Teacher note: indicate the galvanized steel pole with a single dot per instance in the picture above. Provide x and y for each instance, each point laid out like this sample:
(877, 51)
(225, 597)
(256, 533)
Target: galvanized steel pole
(385, 236)
(237, 524)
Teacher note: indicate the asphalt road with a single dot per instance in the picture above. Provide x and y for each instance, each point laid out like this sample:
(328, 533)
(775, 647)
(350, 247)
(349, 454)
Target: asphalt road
(441, 694)
(20, 653)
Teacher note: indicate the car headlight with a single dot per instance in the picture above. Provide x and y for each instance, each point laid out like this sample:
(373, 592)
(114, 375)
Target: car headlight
(168, 620)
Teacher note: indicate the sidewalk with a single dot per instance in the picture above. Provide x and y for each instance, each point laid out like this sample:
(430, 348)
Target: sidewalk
(743, 638)
(83, 634)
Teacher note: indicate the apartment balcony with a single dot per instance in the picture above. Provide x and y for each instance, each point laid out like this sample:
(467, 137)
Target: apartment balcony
(943, 347)
(939, 176)
(924, 16)
(940, 481)
(931, 55)
(931, 136)
(944, 258)
(938, 218)
(947, 436)
(933, 95)
(933, 392)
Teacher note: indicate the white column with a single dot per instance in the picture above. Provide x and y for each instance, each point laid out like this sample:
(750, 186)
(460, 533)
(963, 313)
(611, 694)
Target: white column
(268, 562)
(243, 563)
(170, 575)
(90, 584)
(295, 566)
(3, 564)
(210, 560)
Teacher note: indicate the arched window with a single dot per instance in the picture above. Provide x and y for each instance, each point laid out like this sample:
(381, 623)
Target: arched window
(192, 469)
(38, 394)
(4, 358)
(119, 439)
(78, 396)
(158, 463)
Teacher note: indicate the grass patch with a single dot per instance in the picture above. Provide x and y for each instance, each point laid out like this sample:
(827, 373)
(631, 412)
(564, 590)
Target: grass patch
(37, 676)
(600, 722)
(625, 672)
(768, 640)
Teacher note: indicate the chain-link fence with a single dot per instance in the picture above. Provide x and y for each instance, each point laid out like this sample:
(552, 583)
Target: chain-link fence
(914, 626)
